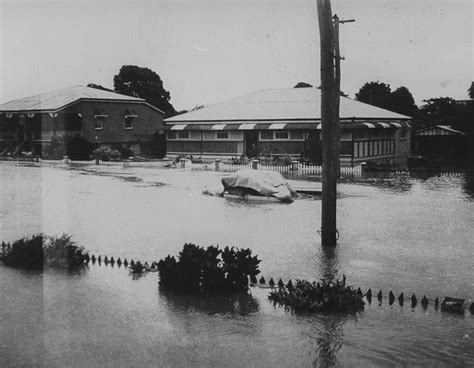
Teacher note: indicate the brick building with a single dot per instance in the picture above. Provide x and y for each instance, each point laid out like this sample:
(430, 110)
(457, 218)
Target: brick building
(101, 117)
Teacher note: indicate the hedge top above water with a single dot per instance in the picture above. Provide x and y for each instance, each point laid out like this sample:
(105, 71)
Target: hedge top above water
(39, 251)
(208, 270)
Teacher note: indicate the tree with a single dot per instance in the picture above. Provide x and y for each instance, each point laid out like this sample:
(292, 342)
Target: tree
(143, 83)
(302, 85)
(403, 102)
(441, 110)
(375, 93)
(471, 91)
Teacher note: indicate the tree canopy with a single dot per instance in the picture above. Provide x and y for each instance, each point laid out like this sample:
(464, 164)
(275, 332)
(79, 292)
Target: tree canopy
(380, 94)
(470, 91)
(302, 85)
(376, 94)
(143, 83)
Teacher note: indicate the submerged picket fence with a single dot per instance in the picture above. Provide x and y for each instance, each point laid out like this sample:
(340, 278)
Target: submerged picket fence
(295, 168)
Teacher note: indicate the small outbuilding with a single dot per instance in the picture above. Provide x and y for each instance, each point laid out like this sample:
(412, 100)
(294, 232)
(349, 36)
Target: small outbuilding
(287, 122)
(100, 116)
(440, 141)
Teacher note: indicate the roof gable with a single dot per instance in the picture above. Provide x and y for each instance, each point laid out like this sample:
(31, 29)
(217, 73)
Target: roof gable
(282, 104)
(56, 100)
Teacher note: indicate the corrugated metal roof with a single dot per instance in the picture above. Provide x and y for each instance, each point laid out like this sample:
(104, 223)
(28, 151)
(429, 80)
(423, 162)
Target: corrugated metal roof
(282, 104)
(433, 129)
(55, 100)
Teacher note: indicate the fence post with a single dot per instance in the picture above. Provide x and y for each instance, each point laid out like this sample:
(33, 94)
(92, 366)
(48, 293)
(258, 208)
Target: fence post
(294, 165)
(218, 165)
(255, 164)
(96, 161)
(66, 159)
(183, 163)
(363, 167)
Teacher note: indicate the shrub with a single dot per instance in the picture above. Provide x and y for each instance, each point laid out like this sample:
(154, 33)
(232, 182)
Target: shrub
(39, 251)
(25, 252)
(79, 148)
(104, 153)
(55, 149)
(63, 253)
(137, 268)
(328, 296)
(211, 270)
(125, 152)
(155, 147)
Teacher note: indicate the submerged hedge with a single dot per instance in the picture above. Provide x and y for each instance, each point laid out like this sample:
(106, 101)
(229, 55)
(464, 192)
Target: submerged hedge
(327, 296)
(211, 270)
(40, 251)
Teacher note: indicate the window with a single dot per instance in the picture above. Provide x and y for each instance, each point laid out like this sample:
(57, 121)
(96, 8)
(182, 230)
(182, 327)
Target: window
(171, 135)
(129, 121)
(183, 135)
(297, 135)
(281, 134)
(266, 135)
(222, 135)
(99, 122)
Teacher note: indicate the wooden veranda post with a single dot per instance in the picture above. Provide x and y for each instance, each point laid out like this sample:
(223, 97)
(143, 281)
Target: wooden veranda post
(328, 124)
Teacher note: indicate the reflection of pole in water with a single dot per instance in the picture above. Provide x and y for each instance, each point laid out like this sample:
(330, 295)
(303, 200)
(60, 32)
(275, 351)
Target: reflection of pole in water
(329, 333)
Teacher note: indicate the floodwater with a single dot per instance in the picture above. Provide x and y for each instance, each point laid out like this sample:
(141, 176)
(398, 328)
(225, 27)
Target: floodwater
(397, 232)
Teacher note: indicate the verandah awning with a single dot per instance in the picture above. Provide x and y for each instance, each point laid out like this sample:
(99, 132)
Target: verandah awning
(287, 125)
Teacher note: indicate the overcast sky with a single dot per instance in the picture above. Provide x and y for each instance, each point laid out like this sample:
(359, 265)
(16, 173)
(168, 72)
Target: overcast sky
(209, 51)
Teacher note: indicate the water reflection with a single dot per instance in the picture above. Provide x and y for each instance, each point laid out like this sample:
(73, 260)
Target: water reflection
(228, 304)
(328, 335)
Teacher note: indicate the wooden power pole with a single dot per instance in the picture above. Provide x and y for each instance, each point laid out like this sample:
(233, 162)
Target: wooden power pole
(328, 124)
(330, 95)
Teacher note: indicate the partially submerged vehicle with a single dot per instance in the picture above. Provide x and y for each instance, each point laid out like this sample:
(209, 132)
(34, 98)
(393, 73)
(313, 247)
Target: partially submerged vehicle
(258, 185)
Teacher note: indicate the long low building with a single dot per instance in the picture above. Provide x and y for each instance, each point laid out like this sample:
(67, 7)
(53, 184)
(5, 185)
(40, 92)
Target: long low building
(287, 122)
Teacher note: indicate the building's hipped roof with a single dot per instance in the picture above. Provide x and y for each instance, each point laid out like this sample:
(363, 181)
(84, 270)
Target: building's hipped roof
(282, 104)
(56, 100)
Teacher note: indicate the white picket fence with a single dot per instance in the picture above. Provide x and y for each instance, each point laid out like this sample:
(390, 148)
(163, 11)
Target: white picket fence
(296, 168)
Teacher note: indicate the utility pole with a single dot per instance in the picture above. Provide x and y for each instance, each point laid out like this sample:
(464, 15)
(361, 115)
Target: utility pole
(330, 93)
(328, 124)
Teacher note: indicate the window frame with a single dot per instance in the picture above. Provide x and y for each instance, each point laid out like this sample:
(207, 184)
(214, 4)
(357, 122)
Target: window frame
(99, 122)
(129, 118)
(226, 138)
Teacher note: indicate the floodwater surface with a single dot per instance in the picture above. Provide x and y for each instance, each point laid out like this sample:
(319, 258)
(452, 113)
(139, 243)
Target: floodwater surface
(398, 232)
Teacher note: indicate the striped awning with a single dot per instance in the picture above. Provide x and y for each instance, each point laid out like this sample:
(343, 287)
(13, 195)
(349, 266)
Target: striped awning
(277, 126)
(178, 127)
(305, 125)
(247, 126)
